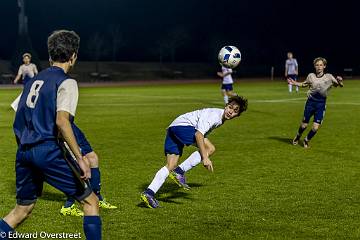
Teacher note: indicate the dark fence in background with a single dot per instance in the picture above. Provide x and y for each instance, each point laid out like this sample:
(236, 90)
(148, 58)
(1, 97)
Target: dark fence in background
(133, 71)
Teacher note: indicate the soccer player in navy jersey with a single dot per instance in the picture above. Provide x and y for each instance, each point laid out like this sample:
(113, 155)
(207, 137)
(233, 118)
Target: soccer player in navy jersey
(42, 124)
(191, 128)
(319, 84)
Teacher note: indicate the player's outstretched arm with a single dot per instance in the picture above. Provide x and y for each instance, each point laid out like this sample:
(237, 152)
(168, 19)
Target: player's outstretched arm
(293, 82)
(17, 78)
(204, 155)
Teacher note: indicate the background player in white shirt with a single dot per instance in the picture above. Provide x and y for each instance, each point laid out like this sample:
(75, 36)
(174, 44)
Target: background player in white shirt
(26, 71)
(319, 84)
(227, 83)
(191, 129)
(291, 70)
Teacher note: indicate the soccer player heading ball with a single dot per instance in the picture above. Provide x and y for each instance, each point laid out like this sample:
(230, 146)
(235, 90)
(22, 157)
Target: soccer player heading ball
(319, 84)
(191, 129)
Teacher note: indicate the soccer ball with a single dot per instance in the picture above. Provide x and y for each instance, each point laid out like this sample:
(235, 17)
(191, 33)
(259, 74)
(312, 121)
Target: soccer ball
(229, 56)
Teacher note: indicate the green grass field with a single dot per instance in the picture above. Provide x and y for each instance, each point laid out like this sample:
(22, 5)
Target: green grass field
(262, 186)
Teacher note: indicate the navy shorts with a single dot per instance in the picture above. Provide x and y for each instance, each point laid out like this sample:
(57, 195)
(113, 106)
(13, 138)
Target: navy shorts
(293, 77)
(45, 162)
(227, 87)
(84, 145)
(316, 109)
(177, 137)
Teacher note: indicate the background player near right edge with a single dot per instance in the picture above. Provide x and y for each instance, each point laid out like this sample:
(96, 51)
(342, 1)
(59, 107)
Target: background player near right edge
(319, 84)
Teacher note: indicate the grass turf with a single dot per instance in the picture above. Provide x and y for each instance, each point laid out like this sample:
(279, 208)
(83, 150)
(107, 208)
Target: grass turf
(262, 187)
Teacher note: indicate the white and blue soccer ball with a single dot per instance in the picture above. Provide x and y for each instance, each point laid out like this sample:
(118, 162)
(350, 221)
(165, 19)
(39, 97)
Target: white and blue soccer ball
(229, 56)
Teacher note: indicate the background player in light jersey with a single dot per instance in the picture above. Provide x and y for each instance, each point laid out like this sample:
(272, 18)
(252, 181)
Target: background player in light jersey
(46, 109)
(191, 129)
(227, 83)
(26, 71)
(69, 207)
(291, 70)
(319, 84)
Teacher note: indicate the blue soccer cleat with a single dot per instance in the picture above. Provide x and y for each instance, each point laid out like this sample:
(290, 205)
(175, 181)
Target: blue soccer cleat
(179, 179)
(149, 200)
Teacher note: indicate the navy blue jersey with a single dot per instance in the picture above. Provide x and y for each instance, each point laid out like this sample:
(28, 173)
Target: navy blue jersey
(35, 119)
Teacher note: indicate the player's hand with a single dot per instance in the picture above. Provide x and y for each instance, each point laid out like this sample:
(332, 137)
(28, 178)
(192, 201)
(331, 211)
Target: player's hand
(340, 81)
(85, 168)
(15, 82)
(208, 164)
(291, 81)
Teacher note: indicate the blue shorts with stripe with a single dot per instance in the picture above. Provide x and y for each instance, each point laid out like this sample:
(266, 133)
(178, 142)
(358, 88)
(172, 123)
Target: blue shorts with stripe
(84, 144)
(177, 137)
(47, 162)
(227, 87)
(316, 109)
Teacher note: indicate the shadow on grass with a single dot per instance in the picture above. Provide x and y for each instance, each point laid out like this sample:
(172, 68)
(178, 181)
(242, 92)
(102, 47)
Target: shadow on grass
(54, 197)
(169, 192)
(281, 139)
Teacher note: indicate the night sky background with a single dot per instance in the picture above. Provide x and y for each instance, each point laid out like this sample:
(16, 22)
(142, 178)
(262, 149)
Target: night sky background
(263, 30)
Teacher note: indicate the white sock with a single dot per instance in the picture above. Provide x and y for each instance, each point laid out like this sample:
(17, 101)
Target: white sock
(193, 160)
(290, 88)
(297, 88)
(159, 179)
(226, 99)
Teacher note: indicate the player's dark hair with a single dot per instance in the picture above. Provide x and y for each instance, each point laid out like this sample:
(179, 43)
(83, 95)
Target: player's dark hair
(241, 101)
(320, 59)
(62, 44)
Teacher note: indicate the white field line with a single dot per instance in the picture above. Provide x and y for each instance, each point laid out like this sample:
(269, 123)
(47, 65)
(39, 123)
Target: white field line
(286, 100)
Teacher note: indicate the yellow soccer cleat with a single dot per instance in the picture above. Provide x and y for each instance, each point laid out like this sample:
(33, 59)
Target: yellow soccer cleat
(73, 210)
(106, 205)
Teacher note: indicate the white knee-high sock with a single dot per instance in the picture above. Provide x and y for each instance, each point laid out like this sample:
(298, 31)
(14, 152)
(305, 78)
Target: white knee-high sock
(290, 88)
(159, 179)
(226, 99)
(193, 160)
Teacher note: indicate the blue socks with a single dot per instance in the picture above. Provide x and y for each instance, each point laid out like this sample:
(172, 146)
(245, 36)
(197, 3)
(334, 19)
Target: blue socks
(92, 227)
(179, 170)
(5, 229)
(310, 135)
(95, 182)
(150, 192)
(300, 131)
(69, 201)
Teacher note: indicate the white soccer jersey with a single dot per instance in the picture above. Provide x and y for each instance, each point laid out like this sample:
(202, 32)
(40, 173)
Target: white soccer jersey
(227, 79)
(319, 85)
(203, 120)
(28, 70)
(291, 65)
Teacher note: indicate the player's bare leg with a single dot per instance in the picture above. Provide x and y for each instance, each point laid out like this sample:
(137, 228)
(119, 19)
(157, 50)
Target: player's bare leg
(178, 175)
(18, 214)
(148, 196)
